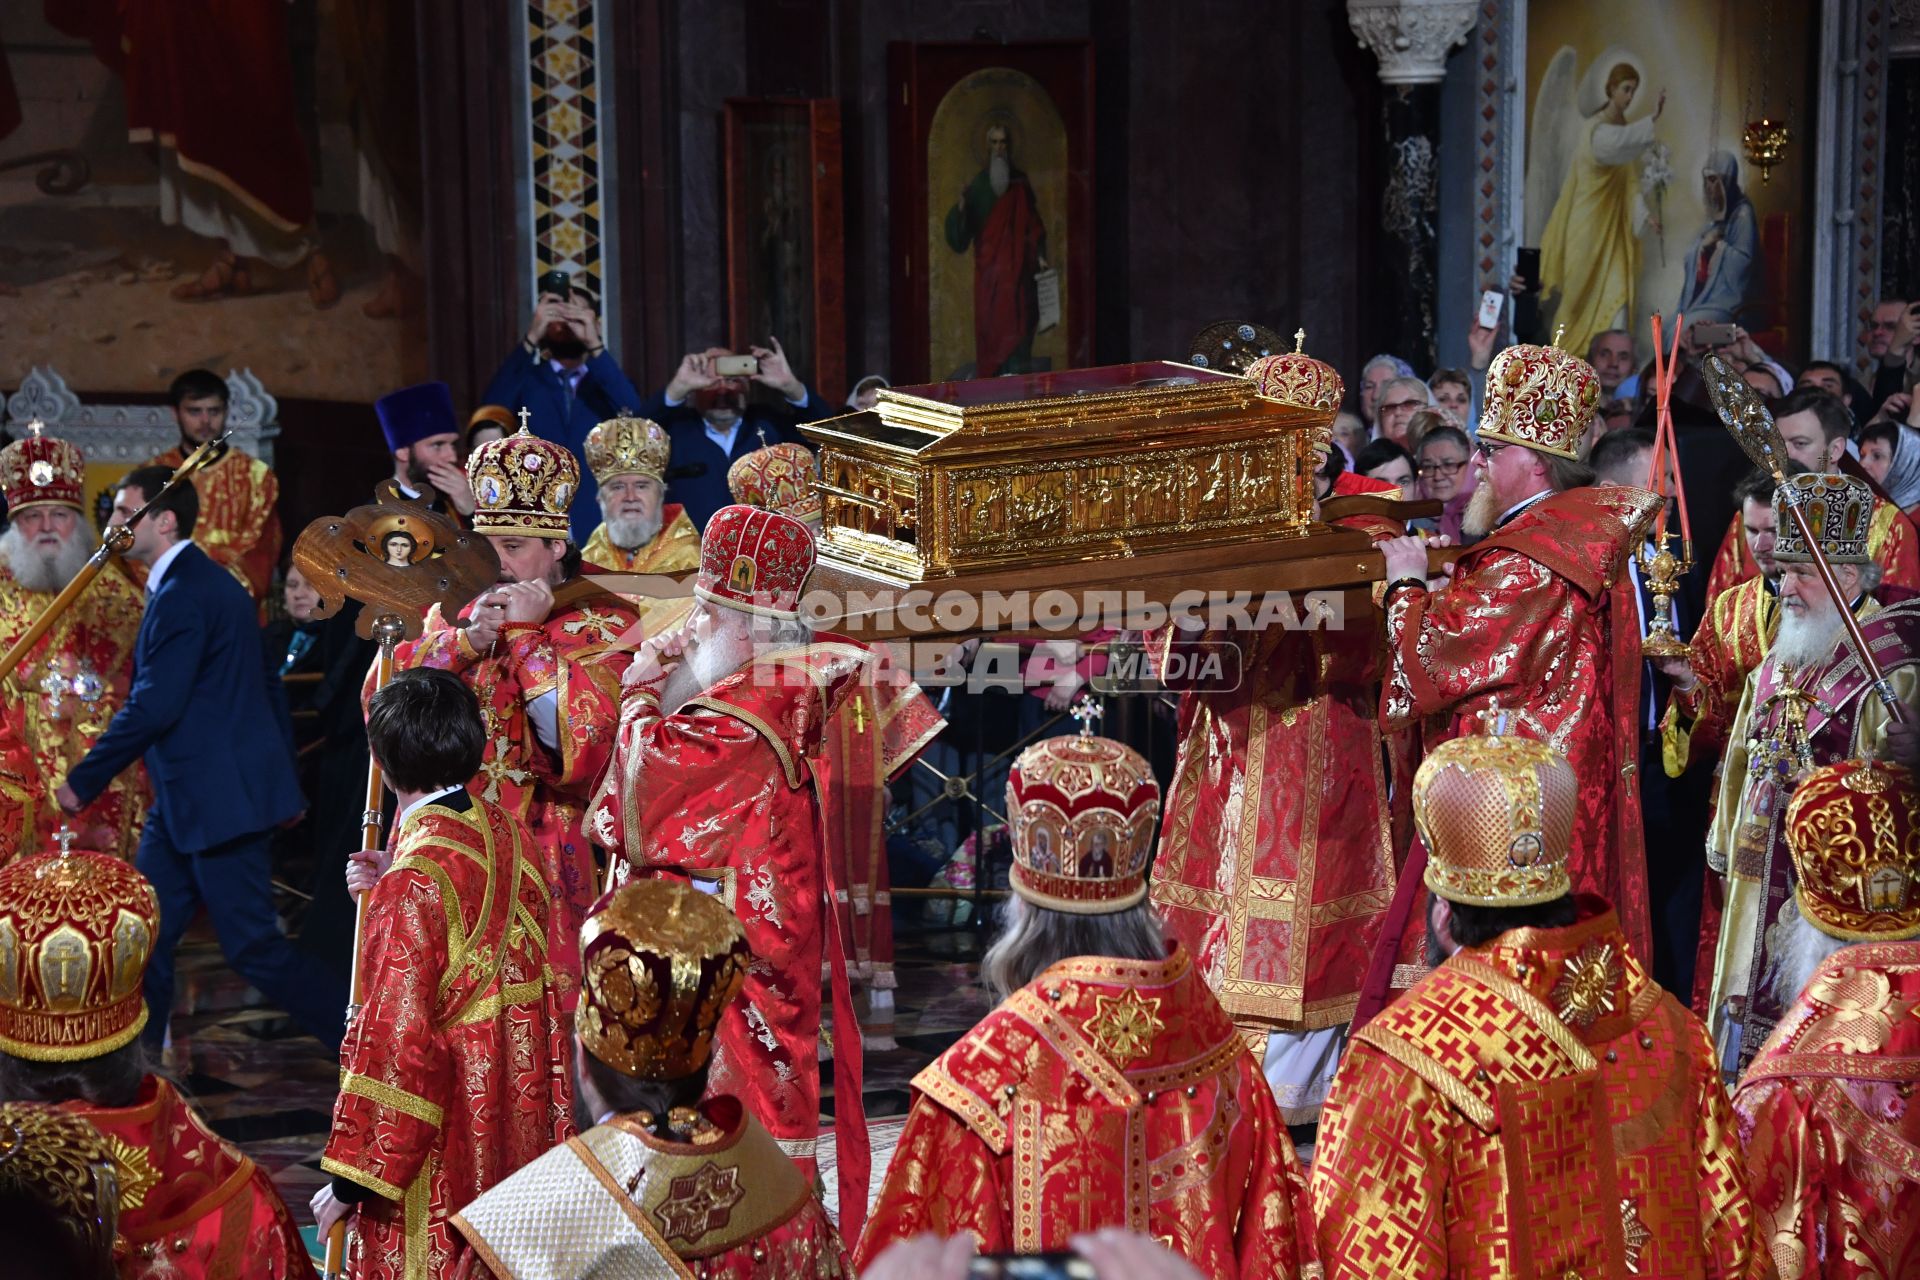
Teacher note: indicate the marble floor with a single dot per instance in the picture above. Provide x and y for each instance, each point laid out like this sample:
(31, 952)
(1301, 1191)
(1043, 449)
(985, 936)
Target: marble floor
(269, 1089)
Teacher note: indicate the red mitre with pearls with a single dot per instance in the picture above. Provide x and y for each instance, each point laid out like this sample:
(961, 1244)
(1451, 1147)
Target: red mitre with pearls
(1296, 378)
(42, 471)
(1083, 811)
(75, 933)
(754, 560)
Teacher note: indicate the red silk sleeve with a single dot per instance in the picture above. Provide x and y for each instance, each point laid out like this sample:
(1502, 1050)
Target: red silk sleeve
(942, 1180)
(1495, 629)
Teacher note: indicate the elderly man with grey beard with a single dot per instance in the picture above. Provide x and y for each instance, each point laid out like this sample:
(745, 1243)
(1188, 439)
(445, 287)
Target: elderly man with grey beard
(1808, 705)
(75, 676)
(640, 532)
(1824, 1111)
(726, 770)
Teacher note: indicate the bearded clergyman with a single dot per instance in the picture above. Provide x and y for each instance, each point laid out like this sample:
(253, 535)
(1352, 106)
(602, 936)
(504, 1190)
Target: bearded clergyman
(1810, 704)
(73, 679)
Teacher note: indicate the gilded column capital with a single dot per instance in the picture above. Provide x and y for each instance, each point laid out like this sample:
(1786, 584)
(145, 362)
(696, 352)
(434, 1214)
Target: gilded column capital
(1411, 37)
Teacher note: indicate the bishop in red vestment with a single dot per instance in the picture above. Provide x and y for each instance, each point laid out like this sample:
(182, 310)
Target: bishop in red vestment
(454, 1072)
(1539, 618)
(76, 930)
(719, 774)
(1108, 1089)
(543, 651)
(1276, 862)
(1536, 1105)
(1826, 1109)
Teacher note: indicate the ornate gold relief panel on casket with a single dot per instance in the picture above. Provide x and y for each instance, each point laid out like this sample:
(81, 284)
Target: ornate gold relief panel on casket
(1054, 468)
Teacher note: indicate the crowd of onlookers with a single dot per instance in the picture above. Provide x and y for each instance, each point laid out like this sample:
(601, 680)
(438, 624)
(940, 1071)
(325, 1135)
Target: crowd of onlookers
(1418, 434)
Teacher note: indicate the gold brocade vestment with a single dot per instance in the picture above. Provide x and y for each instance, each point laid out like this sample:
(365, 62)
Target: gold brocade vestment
(63, 696)
(1535, 1107)
(1827, 1117)
(1103, 1093)
(239, 522)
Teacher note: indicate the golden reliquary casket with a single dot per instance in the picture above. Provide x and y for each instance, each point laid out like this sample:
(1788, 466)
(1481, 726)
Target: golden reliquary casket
(1152, 477)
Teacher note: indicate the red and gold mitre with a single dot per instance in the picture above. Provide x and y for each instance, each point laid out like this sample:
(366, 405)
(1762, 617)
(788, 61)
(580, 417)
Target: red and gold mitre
(1496, 814)
(627, 447)
(75, 933)
(1082, 811)
(522, 484)
(659, 961)
(1295, 378)
(1853, 829)
(61, 1161)
(1838, 509)
(754, 560)
(779, 478)
(1540, 398)
(42, 471)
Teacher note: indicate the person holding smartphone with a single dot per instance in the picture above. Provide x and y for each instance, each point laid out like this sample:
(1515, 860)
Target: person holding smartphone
(1890, 341)
(709, 413)
(562, 374)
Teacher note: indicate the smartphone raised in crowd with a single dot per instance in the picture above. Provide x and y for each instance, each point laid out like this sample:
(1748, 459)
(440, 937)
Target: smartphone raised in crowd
(1030, 1266)
(736, 366)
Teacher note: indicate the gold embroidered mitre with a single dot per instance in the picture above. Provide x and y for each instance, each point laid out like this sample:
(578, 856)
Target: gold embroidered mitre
(1853, 829)
(626, 446)
(1496, 815)
(1838, 510)
(523, 485)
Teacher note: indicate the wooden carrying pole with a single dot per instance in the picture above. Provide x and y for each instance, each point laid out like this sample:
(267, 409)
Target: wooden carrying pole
(117, 541)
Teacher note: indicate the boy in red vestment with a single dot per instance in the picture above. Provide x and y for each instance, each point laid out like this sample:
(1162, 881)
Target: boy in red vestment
(672, 1179)
(1540, 616)
(454, 1071)
(75, 933)
(1826, 1110)
(542, 652)
(719, 773)
(1109, 1088)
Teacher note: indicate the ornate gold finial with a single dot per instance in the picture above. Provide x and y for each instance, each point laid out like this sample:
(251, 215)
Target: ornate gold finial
(1495, 720)
(1087, 711)
(1299, 342)
(67, 835)
(1559, 332)
(35, 427)
(525, 413)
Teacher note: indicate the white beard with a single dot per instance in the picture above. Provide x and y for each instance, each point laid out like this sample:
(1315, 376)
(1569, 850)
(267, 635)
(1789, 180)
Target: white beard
(999, 174)
(1482, 513)
(1807, 639)
(1802, 949)
(631, 534)
(704, 666)
(45, 571)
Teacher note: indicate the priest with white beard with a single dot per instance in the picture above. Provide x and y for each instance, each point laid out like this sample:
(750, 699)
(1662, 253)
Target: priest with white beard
(74, 678)
(640, 532)
(1810, 704)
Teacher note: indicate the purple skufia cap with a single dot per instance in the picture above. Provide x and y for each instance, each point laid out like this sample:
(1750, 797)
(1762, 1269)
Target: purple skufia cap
(413, 414)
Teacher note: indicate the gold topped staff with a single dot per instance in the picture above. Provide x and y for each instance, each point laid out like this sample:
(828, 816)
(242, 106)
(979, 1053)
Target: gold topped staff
(116, 541)
(1747, 417)
(398, 558)
(1661, 568)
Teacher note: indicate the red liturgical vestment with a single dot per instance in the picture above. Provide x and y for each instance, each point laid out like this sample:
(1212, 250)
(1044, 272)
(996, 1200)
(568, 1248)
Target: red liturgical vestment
(1103, 1093)
(455, 1071)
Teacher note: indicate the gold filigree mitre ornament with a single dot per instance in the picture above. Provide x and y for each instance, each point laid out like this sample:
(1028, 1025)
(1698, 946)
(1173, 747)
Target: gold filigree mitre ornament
(64, 1163)
(1853, 830)
(660, 961)
(1496, 815)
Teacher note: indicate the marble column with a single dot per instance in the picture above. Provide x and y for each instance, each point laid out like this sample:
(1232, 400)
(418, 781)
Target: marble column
(1411, 39)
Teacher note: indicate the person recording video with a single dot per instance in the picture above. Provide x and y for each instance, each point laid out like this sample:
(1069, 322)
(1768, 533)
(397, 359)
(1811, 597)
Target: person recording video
(712, 419)
(563, 375)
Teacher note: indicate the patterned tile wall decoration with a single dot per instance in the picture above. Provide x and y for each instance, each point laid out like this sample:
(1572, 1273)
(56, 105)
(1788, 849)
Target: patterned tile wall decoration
(567, 148)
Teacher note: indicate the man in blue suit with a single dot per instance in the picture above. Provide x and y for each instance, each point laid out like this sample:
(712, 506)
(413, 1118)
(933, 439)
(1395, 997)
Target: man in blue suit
(221, 763)
(711, 424)
(562, 374)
